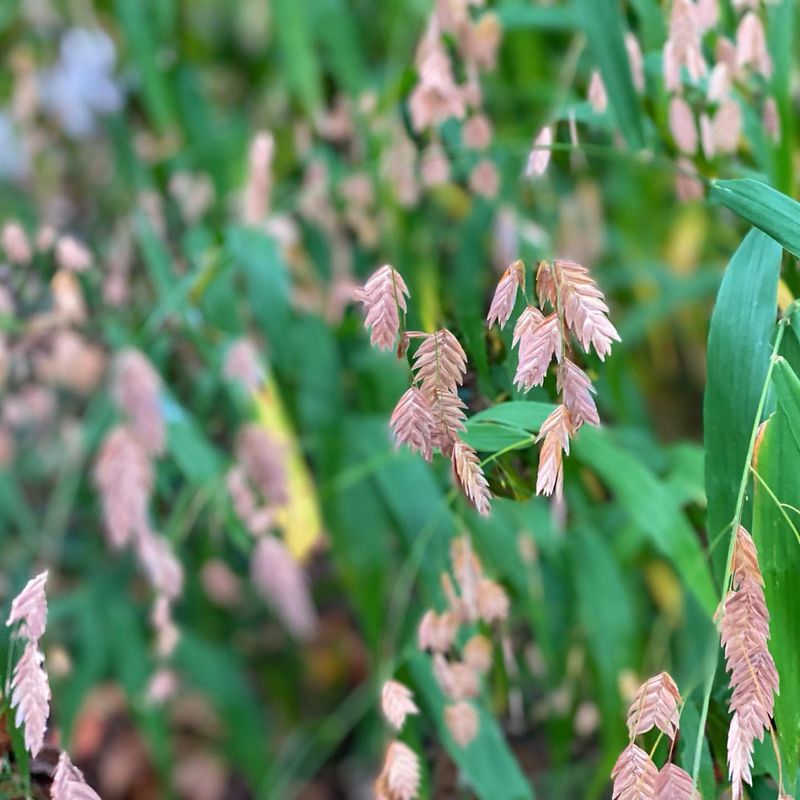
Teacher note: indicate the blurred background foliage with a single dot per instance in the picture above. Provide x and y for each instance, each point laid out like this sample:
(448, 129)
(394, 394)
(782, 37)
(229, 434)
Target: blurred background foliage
(153, 188)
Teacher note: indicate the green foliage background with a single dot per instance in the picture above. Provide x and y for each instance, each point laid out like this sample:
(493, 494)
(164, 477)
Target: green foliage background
(626, 589)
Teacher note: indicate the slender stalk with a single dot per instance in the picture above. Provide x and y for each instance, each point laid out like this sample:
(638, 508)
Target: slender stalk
(735, 522)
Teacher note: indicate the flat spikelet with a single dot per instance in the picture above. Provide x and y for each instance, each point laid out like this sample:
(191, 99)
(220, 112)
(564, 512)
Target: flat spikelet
(655, 706)
(744, 629)
(568, 286)
(505, 294)
(577, 391)
(555, 432)
(399, 779)
(123, 476)
(69, 783)
(397, 703)
(440, 362)
(280, 580)
(30, 608)
(448, 418)
(383, 295)
(440, 365)
(635, 776)
(470, 476)
(30, 695)
(539, 341)
(413, 423)
(264, 463)
(437, 632)
(675, 783)
(462, 721)
(136, 389)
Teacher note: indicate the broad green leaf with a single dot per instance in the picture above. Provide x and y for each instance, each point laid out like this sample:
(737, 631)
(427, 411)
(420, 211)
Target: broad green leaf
(487, 765)
(761, 205)
(652, 507)
(787, 391)
(738, 358)
(604, 25)
(606, 610)
(776, 537)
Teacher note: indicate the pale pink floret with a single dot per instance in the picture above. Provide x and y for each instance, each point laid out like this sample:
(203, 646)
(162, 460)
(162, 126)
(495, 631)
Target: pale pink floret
(397, 703)
(477, 132)
(751, 45)
(492, 601)
(706, 14)
(440, 361)
(505, 295)
(383, 295)
(636, 61)
(462, 721)
(682, 48)
(30, 608)
(16, 244)
(584, 307)
(69, 783)
(675, 783)
(136, 389)
(30, 695)
(470, 476)
(555, 432)
(436, 97)
(437, 632)
(726, 127)
(539, 156)
(123, 475)
(539, 342)
(280, 580)
(400, 777)
(413, 423)
(577, 390)
(719, 83)
(635, 775)
(656, 705)
(682, 125)
(596, 94)
(455, 678)
(484, 180)
(72, 255)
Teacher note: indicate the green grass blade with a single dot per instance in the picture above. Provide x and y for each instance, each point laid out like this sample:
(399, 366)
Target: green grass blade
(738, 358)
(604, 27)
(768, 209)
(774, 531)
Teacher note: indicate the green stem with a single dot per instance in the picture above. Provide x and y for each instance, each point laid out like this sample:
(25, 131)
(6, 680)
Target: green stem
(735, 522)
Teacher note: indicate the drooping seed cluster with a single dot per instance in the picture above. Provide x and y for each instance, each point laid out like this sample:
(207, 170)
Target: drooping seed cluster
(472, 598)
(399, 778)
(635, 775)
(744, 628)
(438, 95)
(713, 108)
(30, 688)
(430, 415)
(123, 475)
(577, 310)
(258, 486)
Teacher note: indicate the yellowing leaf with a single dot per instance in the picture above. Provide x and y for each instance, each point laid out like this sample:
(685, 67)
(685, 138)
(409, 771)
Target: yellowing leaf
(300, 519)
